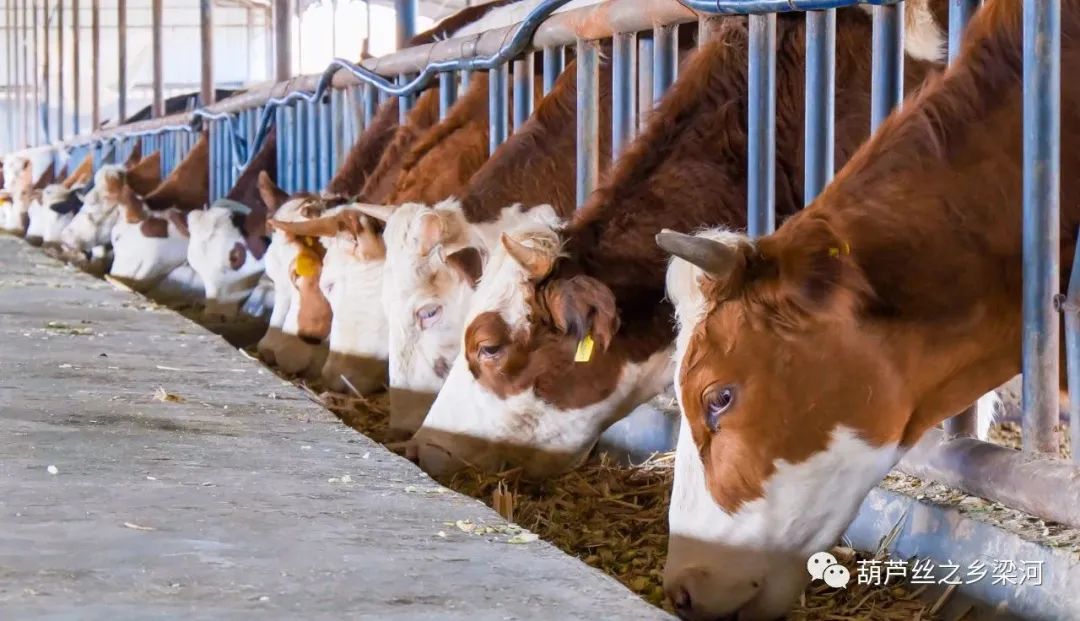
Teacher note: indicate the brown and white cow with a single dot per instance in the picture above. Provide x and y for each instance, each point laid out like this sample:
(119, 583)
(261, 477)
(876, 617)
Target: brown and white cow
(437, 163)
(569, 330)
(92, 224)
(25, 187)
(811, 359)
(58, 204)
(150, 250)
(229, 238)
(436, 253)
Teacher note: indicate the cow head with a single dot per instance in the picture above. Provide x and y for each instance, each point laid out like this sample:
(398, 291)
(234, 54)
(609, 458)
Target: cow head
(434, 261)
(92, 225)
(776, 378)
(54, 212)
(227, 256)
(13, 212)
(350, 277)
(147, 246)
(536, 381)
(283, 343)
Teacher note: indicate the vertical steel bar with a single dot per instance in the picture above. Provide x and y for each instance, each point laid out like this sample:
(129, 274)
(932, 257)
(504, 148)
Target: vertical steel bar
(1071, 309)
(76, 77)
(341, 118)
(761, 126)
(326, 143)
(588, 118)
(447, 92)
(524, 89)
(498, 114)
(95, 64)
(215, 156)
(158, 108)
(405, 102)
(9, 42)
(371, 103)
(303, 182)
(624, 45)
(820, 104)
(1042, 234)
(644, 80)
(206, 37)
(282, 147)
(465, 77)
(665, 59)
(121, 60)
(960, 12)
(37, 74)
(887, 66)
(282, 40)
(25, 98)
(554, 61)
(405, 11)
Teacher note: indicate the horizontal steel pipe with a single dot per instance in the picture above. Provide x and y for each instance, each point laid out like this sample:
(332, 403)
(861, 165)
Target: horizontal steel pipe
(1043, 486)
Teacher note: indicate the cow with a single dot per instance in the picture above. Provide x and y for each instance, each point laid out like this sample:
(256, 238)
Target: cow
(25, 188)
(58, 204)
(150, 253)
(569, 329)
(436, 252)
(811, 359)
(229, 239)
(92, 224)
(437, 163)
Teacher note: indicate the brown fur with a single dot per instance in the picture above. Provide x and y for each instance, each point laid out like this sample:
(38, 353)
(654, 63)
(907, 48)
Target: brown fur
(154, 227)
(247, 192)
(424, 115)
(81, 173)
(536, 165)
(146, 175)
(188, 186)
(46, 178)
(686, 170)
(924, 315)
(365, 154)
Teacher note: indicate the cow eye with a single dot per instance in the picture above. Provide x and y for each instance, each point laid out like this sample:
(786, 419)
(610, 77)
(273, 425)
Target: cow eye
(717, 400)
(428, 315)
(489, 351)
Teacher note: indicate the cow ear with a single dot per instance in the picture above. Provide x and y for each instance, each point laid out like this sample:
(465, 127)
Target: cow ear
(272, 196)
(469, 263)
(810, 273)
(582, 306)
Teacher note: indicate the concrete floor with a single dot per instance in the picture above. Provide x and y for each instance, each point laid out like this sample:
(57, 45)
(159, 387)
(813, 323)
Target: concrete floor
(228, 504)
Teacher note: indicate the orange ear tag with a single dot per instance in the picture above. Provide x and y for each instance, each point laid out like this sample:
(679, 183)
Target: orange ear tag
(584, 349)
(306, 266)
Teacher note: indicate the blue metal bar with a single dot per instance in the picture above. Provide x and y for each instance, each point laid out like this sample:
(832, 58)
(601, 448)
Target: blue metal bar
(820, 101)
(309, 152)
(887, 66)
(645, 80)
(466, 76)
(960, 12)
(281, 146)
(1042, 233)
(498, 114)
(215, 138)
(405, 102)
(291, 138)
(313, 152)
(588, 118)
(327, 154)
(624, 46)
(447, 92)
(406, 21)
(665, 59)
(340, 119)
(524, 89)
(761, 127)
(371, 103)
(554, 62)
(758, 7)
(1072, 352)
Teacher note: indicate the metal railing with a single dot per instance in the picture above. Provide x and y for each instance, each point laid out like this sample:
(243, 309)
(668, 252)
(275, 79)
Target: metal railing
(325, 113)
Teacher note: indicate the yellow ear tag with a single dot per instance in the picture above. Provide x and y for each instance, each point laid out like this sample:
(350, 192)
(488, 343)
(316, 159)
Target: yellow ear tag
(308, 241)
(836, 252)
(306, 266)
(584, 349)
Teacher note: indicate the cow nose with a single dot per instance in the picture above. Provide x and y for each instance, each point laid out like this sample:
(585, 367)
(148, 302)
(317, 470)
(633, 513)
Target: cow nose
(311, 340)
(34, 240)
(684, 606)
(681, 591)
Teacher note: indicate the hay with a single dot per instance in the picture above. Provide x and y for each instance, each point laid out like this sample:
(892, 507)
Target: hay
(614, 518)
(1010, 434)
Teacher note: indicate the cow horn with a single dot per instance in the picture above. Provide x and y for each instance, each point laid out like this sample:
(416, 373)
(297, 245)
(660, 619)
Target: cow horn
(379, 212)
(536, 262)
(233, 206)
(715, 258)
